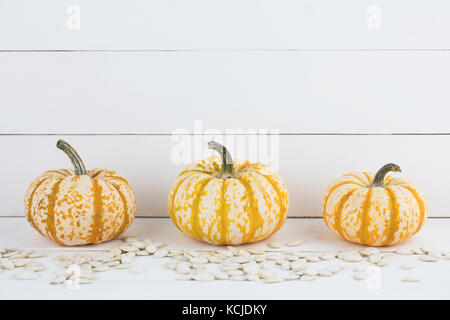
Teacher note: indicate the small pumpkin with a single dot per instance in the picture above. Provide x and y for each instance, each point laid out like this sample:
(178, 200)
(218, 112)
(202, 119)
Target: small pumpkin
(76, 207)
(224, 202)
(374, 210)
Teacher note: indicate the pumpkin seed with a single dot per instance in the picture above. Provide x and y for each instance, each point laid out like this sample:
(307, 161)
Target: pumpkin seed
(350, 256)
(231, 266)
(291, 258)
(383, 262)
(35, 268)
(36, 255)
(275, 256)
(251, 269)
(100, 268)
(232, 273)
(256, 251)
(232, 249)
(112, 263)
(327, 256)
(295, 243)
(259, 259)
(58, 280)
(160, 253)
(298, 265)
(267, 274)
(361, 267)
(21, 262)
(126, 259)
(7, 264)
(310, 272)
(128, 248)
(307, 278)
(273, 280)
(183, 268)
(204, 277)
(312, 259)
(285, 265)
(123, 266)
(115, 251)
(291, 277)
(27, 275)
(360, 275)
(151, 248)
(274, 245)
(434, 254)
(180, 258)
(221, 276)
(268, 265)
(138, 244)
(410, 279)
(173, 253)
(215, 260)
(240, 259)
(198, 260)
(252, 277)
(428, 258)
(335, 269)
(85, 281)
(20, 255)
(425, 250)
(408, 266)
(170, 265)
(325, 273)
(129, 239)
(404, 252)
(375, 258)
(369, 251)
(238, 278)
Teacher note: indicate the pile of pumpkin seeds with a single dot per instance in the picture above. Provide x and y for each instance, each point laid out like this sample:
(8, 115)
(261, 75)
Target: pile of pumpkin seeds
(277, 263)
(23, 262)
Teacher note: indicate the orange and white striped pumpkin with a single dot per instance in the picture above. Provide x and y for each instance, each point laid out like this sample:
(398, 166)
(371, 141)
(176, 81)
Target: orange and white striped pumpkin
(372, 210)
(76, 207)
(221, 202)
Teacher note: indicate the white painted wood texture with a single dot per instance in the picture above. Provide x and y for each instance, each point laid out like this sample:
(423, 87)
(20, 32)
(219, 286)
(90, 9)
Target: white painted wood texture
(307, 164)
(158, 92)
(160, 283)
(216, 24)
(151, 67)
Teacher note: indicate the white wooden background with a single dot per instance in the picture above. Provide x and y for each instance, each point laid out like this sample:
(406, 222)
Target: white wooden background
(343, 95)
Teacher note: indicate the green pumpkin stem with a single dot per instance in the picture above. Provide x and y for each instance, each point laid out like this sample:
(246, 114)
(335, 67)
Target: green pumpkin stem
(227, 162)
(378, 181)
(74, 157)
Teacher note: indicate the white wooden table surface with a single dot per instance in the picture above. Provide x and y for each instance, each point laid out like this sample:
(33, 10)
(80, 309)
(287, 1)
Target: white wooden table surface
(160, 283)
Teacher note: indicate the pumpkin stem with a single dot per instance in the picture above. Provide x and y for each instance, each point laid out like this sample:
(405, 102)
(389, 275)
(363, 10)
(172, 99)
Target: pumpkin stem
(378, 181)
(74, 157)
(227, 162)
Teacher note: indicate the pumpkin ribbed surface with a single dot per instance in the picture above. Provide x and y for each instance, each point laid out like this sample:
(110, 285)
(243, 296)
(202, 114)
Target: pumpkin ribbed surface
(80, 209)
(376, 216)
(247, 208)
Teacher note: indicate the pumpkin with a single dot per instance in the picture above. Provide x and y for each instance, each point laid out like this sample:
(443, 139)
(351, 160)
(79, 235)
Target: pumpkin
(224, 202)
(374, 210)
(76, 207)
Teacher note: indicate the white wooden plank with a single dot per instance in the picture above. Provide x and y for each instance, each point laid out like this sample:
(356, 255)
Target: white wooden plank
(15, 232)
(307, 164)
(295, 92)
(219, 24)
